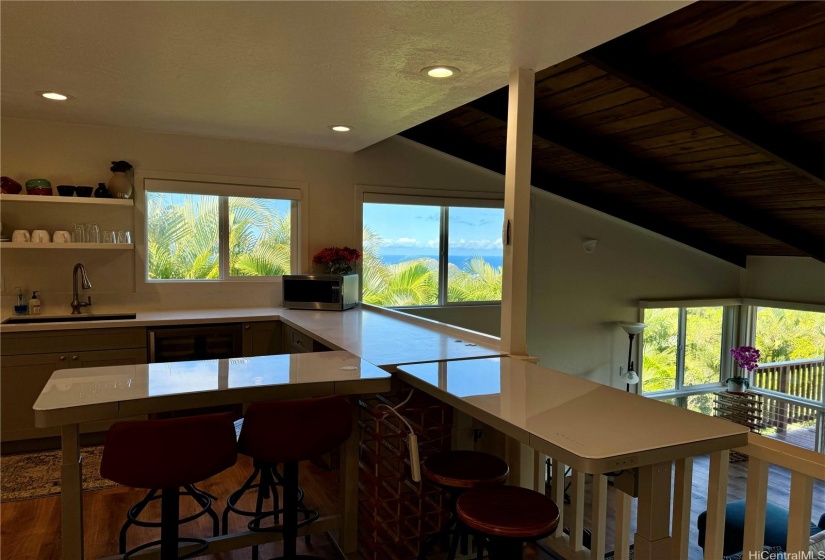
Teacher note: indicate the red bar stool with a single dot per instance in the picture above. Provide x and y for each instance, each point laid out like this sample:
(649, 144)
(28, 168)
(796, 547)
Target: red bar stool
(168, 455)
(288, 432)
(457, 472)
(506, 517)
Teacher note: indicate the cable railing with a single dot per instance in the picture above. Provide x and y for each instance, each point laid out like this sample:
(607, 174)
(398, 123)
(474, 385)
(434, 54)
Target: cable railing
(797, 378)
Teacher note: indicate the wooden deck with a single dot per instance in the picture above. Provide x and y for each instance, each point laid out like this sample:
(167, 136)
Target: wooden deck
(801, 437)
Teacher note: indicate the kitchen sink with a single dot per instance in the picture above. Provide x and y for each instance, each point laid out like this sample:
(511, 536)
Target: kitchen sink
(24, 319)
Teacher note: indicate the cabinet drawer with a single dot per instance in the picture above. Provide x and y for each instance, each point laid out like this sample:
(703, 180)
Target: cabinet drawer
(300, 342)
(46, 342)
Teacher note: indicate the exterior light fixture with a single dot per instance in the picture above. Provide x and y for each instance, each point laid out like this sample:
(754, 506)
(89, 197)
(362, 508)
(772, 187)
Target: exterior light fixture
(340, 128)
(53, 95)
(630, 376)
(441, 71)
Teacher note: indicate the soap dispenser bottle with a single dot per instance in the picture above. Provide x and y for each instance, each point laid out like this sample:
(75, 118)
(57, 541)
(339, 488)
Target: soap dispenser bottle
(34, 304)
(20, 306)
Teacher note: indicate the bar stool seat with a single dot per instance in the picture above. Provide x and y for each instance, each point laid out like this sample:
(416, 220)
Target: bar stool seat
(166, 455)
(285, 433)
(457, 472)
(506, 517)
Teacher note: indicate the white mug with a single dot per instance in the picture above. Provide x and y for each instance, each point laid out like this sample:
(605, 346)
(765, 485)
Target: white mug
(41, 236)
(62, 237)
(20, 236)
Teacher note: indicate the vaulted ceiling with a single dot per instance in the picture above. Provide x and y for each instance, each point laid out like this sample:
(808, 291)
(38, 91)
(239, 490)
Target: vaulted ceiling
(706, 126)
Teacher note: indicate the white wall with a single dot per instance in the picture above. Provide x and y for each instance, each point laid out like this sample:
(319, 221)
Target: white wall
(794, 279)
(577, 297)
(81, 155)
(398, 162)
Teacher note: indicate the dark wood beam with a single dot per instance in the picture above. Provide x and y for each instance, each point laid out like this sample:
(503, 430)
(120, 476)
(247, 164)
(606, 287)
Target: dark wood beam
(437, 138)
(614, 157)
(713, 108)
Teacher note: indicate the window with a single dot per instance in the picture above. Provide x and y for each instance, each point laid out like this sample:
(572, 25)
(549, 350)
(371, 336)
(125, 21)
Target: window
(683, 347)
(418, 254)
(209, 235)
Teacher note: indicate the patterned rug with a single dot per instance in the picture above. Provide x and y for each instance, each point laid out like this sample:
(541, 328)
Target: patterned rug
(28, 476)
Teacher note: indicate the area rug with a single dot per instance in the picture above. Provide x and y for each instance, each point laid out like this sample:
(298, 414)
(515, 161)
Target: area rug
(28, 476)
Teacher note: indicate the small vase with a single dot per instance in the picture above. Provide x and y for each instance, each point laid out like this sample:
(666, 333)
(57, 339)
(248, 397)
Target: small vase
(119, 185)
(339, 268)
(736, 387)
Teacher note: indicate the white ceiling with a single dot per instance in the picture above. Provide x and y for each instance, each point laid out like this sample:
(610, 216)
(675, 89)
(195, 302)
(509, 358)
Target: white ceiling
(282, 72)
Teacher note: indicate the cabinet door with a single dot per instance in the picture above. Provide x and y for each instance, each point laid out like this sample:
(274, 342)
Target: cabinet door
(262, 339)
(101, 358)
(23, 377)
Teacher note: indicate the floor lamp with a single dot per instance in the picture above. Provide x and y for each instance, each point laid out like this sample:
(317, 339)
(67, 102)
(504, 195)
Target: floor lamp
(630, 376)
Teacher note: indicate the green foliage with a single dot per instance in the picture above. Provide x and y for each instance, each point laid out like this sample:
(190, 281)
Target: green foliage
(415, 282)
(787, 334)
(183, 238)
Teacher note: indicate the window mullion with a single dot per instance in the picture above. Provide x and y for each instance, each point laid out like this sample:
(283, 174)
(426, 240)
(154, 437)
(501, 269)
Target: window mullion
(223, 237)
(680, 348)
(443, 254)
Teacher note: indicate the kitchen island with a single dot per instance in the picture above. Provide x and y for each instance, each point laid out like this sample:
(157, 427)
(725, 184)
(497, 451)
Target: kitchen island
(569, 418)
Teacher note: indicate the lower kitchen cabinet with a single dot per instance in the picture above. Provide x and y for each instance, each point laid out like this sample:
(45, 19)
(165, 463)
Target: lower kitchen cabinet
(29, 359)
(262, 338)
(297, 342)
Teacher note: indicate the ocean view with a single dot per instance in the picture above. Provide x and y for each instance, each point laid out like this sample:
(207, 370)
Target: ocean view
(459, 260)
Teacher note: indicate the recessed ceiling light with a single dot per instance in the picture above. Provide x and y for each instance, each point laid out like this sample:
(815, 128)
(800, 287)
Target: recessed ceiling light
(53, 95)
(441, 71)
(340, 128)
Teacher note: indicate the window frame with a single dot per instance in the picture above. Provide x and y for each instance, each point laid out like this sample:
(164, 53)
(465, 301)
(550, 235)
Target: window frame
(444, 199)
(730, 310)
(224, 187)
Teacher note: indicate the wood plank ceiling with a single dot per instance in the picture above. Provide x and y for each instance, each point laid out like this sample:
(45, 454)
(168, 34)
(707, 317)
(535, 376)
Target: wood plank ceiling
(706, 126)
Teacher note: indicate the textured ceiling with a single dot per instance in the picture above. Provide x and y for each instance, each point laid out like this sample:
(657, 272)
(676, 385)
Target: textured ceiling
(282, 72)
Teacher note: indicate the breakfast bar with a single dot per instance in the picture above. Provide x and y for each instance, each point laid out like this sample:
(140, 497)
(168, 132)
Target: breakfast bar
(72, 397)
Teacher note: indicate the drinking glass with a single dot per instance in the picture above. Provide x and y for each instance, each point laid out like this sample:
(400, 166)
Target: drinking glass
(92, 233)
(78, 234)
(109, 236)
(124, 237)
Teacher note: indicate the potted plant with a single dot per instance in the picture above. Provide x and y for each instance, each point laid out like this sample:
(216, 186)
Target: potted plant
(746, 358)
(337, 260)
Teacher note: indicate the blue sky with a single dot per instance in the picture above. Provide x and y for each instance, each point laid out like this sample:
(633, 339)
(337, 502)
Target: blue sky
(413, 230)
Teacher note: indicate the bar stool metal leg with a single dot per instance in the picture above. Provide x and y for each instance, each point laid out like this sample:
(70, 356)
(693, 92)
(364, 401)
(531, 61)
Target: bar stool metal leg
(170, 509)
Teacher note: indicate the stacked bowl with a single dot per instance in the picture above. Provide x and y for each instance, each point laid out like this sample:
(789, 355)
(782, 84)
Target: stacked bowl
(41, 187)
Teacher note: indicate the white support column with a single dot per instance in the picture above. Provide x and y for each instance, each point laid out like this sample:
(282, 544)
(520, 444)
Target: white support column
(516, 229)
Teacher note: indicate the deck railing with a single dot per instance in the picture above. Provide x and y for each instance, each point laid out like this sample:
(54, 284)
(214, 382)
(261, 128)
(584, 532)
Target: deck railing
(805, 466)
(798, 378)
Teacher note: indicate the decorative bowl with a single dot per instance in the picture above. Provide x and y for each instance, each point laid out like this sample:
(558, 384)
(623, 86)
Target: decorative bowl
(83, 191)
(40, 191)
(65, 190)
(38, 184)
(9, 186)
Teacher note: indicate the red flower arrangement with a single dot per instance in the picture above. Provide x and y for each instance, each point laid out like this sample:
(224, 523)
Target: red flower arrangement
(337, 260)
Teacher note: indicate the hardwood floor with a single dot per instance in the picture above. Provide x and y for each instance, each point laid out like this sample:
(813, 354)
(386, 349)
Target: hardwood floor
(31, 528)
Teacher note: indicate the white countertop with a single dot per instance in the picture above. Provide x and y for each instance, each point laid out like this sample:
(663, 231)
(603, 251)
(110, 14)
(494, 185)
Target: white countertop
(592, 427)
(382, 337)
(101, 393)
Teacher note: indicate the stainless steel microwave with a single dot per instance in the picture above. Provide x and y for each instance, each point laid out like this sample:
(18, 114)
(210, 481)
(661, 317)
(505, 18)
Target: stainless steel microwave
(333, 292)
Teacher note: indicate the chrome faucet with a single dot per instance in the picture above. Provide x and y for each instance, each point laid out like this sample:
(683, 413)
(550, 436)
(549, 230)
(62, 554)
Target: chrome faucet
(76, 303)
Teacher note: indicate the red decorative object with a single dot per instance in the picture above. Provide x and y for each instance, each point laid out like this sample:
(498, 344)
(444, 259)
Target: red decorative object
(337, 260)
(10, 186)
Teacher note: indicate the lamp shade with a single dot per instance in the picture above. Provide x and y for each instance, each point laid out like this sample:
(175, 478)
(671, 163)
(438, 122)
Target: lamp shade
(632, 328)
(631, 377)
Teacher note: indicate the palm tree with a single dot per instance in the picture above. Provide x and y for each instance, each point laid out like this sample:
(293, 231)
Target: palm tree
(183, 238)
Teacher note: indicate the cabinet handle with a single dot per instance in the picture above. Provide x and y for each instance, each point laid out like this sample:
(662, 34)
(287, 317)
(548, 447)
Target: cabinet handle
(247, 327)
(74, 357)
(62, 358)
